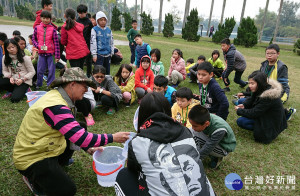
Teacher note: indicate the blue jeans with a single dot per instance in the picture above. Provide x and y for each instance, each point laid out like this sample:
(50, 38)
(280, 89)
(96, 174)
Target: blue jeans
(237, 78)
(245, 123)
(105, 62)
(241, 100)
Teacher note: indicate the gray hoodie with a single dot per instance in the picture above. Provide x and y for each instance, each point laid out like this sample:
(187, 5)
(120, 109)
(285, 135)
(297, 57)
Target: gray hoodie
(94, 45)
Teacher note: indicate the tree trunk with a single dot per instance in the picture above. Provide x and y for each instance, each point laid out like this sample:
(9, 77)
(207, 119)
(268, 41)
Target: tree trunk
(263, 24)
(141, 22)
(124, 6)
(36, 5)
(109, 14)
(160, 15)
(14, 9)
(135, 10)
(186, 11)
(243, 10)
(96, 6)
(223, 9)
(211, 11)
(277, 22)
(69, 4)
(62, 9)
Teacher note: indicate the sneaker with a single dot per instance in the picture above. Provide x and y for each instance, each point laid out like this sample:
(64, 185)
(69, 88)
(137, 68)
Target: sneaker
(235, 102)
(70, 162)
(215, 162)
(246, 83)
(98, 104)
(226, 89)
(111, 111)
(127, 105)
(45, 78)
(7, 95)
(290, 113)
(30, 186)
(175, 85)
(89, 120)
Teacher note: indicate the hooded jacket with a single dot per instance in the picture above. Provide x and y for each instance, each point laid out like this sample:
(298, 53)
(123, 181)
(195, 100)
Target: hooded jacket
(38, 19)
(165, 157)
(88, 25)
(74, 40)
(234, 60)
(102, 42)
(267, 111)
(144, 78)
(178, 65)
(127, 86)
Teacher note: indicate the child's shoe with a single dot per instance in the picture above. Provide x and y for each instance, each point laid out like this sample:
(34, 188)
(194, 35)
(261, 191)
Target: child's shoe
(215, 162)
(226, 89)
(89, 120)
(290, 113)
(28, 90)
(45, 78)
(127, 105)
(235, 102)
(98, 104)
(111, 111)
(246, 83)
(175, 85)
(7, 95)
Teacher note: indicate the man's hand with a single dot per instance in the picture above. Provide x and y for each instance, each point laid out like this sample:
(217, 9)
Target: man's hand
(121, 137)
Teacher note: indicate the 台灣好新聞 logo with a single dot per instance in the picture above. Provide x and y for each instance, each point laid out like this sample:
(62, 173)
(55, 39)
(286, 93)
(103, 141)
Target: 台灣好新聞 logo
(233, 182)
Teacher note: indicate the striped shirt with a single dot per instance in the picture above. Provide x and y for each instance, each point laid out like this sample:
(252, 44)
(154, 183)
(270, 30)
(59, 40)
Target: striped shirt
(60, 117)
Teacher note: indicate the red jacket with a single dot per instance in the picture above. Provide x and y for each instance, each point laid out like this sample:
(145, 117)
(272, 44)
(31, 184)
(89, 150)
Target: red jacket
(75, 42)
(144, 79)
(38, 19)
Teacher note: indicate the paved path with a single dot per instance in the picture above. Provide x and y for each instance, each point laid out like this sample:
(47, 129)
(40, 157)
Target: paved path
(26, 31)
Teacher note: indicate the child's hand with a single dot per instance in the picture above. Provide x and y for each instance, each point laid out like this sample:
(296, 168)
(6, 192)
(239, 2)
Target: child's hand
(240, 94)
(56, 60)
(95, 59)
(19, 82)
(149, 90)
(94, 149)
(12, 81)
(121, 137)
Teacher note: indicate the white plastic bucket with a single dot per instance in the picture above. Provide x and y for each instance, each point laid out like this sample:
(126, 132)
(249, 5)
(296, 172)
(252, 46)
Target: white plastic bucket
(33, 96)
(107, 164)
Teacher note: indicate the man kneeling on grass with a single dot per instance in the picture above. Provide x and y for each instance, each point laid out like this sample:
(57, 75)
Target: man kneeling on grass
(212, 134)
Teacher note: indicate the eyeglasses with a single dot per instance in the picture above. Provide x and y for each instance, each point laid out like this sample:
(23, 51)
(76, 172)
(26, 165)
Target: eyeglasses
(97, 77)
(270, 54)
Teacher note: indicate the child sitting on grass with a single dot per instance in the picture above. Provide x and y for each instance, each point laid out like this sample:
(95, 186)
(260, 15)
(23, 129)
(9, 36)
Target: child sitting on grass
(211, 95)
(124, 78)
(144, 78)
(184, 103)
(217, 63)
(213, 135)
(193, 69)
(189, 63)
(156, 65)
(176, 73)
(263, 112)
(107, 93)
(161, 85)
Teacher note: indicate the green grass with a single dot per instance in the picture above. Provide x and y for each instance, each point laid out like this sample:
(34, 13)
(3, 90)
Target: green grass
(280, 158)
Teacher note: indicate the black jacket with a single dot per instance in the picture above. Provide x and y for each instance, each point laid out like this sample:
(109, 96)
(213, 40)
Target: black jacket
(88, 25)
(268, 113)
(234, 60)
(165, 157)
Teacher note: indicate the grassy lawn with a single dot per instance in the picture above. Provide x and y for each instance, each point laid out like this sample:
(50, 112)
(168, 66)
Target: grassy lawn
(280, 158)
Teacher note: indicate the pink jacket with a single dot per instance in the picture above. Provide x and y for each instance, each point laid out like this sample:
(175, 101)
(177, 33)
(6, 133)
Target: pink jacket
(179, 66)
(48, 38)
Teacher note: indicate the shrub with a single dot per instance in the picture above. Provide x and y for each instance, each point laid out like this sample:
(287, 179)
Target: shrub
(190, 31)
(23, 12)
(147, 27)
(116, 24)
(168, 26)
(247, 33)
(1, 10)
(224, 30)
(128, 21)
(297, 47)
(59, 20)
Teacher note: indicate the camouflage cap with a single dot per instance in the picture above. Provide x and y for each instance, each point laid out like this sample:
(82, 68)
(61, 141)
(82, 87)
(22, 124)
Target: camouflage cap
(74, 74)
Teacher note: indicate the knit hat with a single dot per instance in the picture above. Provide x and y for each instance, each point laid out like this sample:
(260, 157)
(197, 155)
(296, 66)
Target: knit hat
(74, 74)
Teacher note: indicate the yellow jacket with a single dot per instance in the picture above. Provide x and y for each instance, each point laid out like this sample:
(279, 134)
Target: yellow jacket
(129, 87)
(36, 140)
(187, 67)
(181, 114)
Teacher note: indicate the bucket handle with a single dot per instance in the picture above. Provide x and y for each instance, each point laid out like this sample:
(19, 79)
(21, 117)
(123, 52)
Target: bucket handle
(105, 174)
(31, 100)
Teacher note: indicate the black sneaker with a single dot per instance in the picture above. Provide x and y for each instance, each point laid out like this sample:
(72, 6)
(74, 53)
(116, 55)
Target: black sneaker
(215, 162)
(226, 89)
(290, 113)
(246, 83)
(235, 102)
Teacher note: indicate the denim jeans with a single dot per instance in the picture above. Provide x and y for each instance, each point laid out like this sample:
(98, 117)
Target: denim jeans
(245, 123)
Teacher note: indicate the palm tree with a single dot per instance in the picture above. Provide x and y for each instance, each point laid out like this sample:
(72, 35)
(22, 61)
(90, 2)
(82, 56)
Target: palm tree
(211, 11)
(141, 22)
(56, 5)
(243, 10)
(186, 11)
(96, 5)
(263, 24)
(277, 22)
(160, 15)
(69, 4)
(14, 9)
(36, 5)
(124, 6)
(135, 10)
(223, 9)
(62, 9)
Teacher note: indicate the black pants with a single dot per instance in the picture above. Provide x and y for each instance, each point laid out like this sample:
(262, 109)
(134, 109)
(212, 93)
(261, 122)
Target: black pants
(218, 72)
(126, 183)
(105, 100)
(237, 78)
(18, 92)
(132, 50)
(83, 106)
(77, 62)
(48, 177)
(88, 62)
(193, 77)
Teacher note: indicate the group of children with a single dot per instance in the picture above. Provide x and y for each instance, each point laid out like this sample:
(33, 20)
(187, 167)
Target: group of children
(84, 40)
